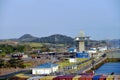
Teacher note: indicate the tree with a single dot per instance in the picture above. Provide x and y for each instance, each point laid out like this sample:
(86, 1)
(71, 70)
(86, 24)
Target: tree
(2, 54)
(44, 48)
(15, 62)
(26, 48)
(2, 63)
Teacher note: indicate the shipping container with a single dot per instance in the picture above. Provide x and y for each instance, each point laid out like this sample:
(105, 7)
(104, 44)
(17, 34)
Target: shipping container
(89, 77)
(110, 77)
(96, 77)
(48, 78)
(116, 77)
(76, 78)
(17, 78)
(63, 78)
(83, 77)
(103, 77)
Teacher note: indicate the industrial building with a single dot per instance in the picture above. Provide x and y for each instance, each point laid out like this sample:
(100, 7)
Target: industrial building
(46, 68)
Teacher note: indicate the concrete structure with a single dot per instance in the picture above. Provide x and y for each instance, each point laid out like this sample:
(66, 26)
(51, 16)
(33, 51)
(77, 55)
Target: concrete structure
(46, 68)
(81, 41)
(102, 49)
(72, 60)
(92, 50)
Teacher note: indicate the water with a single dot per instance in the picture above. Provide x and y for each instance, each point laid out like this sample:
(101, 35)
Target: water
(108, 68)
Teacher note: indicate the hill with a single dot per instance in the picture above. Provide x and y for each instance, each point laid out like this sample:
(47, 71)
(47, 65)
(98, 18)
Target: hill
(27, 38)
(56, 38)
(62, 39)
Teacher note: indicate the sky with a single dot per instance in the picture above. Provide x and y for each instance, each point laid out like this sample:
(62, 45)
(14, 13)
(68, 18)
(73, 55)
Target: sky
(99, 19)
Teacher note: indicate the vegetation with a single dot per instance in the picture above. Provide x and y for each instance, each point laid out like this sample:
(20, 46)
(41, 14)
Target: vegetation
(10, 49)
(2, 63)
(35, 45)
(57, 38)
(13, 63)
(27, 38)
(16, 63)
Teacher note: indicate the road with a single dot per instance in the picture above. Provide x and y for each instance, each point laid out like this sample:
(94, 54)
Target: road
(12, 74)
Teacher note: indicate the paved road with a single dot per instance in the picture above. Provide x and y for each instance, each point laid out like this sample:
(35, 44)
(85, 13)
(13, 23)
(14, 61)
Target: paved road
(12, 74)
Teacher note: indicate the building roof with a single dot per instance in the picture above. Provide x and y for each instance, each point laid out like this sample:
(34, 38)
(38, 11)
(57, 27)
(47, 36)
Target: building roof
(82, 52)
(47, 65)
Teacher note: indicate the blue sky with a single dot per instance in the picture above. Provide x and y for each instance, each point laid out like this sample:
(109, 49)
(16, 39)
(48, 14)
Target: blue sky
(99, 19)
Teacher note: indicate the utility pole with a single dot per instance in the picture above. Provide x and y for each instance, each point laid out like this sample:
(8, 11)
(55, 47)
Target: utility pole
(93, 68)
(51, 65)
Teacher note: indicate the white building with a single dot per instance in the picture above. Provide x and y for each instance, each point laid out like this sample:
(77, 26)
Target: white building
(92, 50)
(72, 60)
(46, 68)
(102, 49)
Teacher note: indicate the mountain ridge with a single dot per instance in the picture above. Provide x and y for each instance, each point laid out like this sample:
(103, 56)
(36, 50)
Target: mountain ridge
(58, 38)
(55, 38)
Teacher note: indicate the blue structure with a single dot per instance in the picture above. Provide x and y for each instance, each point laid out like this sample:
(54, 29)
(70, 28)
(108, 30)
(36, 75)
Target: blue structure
(82, 55)
(47, 65)
(72, 49)
(96, 77)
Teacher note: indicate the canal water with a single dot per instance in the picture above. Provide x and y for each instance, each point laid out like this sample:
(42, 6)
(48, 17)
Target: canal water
(108, 68)
(111, 67)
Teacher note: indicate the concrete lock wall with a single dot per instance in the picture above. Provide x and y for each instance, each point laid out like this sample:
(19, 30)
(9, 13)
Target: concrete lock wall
(81, 46)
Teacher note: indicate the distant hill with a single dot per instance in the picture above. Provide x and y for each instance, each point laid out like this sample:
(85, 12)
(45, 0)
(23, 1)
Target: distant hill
(63, 39)
(57, 38)
(27, 38)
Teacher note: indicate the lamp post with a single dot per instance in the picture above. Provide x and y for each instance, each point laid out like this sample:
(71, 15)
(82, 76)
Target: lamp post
(51, 65)
(93, 68)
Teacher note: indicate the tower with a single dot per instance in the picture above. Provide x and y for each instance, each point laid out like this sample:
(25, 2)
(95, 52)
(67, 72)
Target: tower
(81, 41)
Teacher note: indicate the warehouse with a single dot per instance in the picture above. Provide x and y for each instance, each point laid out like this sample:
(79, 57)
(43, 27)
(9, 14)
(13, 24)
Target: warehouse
(46, 68)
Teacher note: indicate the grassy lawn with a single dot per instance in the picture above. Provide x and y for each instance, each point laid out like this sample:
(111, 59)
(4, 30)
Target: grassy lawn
(67, 63)
(35, 44)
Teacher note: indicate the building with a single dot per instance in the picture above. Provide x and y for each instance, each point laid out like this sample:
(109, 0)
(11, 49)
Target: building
(46, 68)
(102, 49)
(72, 49)
(82, 55)
(92, 50)
(72, 60)
(81, 41)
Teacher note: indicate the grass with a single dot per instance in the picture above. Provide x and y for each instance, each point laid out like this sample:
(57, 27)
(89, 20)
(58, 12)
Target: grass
(21, 75)
(32, 44)
(67, 63)
(81, 59)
